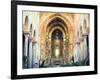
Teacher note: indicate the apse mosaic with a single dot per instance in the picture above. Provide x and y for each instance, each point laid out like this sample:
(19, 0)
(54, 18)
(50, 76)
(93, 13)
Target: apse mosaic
(55, 39)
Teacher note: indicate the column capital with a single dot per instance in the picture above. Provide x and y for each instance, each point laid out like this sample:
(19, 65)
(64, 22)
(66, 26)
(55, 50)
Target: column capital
(26, 34)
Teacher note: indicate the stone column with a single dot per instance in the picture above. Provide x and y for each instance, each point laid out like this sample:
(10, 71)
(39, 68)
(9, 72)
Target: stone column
(77, 53)
(50, 53)
(64, 50)
(33, 53)
(26, 34)
(30, 59)
(26, 50)
(85, 45)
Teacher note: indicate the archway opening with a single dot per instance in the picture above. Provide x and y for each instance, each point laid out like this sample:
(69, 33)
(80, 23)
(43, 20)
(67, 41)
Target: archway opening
(57, 38)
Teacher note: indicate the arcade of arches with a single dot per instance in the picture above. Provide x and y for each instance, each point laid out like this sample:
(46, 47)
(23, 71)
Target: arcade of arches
(55, 39)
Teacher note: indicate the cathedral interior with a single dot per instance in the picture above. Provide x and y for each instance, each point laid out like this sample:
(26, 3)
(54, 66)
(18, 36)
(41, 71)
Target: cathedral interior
(55, 39)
